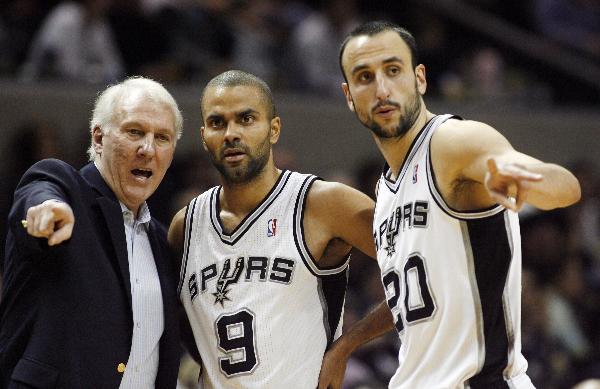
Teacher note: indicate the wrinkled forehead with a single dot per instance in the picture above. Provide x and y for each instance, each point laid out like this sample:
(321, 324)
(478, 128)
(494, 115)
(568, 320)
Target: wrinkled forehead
(138, 105)
(365, 50)
(230, 99)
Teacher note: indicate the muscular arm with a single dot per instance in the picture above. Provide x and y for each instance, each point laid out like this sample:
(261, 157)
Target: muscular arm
(338, 217)
(175, 238)
(476, 167)
(338, 212)
(376, 323)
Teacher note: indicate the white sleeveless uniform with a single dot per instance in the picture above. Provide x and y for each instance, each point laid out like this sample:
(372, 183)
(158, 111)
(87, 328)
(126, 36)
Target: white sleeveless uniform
(261, 310)
(452, 280)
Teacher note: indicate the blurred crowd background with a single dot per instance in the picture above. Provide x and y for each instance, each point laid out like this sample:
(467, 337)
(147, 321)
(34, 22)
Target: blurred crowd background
(503, 57)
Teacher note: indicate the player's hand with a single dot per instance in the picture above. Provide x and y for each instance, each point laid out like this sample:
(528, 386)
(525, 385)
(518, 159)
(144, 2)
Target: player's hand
(333, 368)
(51, 219)
(509, 184)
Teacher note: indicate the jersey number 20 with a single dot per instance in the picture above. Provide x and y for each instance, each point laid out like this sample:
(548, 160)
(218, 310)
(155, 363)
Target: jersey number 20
(418, 302)
(235, 334)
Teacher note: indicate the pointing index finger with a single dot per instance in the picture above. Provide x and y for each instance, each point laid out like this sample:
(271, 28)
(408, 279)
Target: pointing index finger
(492, 166)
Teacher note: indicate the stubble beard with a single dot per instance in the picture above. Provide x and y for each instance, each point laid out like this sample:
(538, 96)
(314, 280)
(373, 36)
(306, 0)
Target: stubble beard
(409, 115)
(244, 172)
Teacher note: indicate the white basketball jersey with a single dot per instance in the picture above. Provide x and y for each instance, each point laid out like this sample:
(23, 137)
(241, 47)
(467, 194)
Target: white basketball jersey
(261, 310)
(452, 280)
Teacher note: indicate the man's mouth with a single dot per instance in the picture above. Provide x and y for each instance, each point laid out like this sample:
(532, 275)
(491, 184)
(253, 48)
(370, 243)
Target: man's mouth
(385, 111)
(142, 173)
(233, 154)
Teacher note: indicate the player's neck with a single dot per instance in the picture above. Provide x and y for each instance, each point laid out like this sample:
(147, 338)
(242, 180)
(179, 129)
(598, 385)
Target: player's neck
(241, 199)
(394, 150)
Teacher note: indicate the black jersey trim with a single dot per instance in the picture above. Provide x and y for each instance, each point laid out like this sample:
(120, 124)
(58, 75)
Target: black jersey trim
(299, 237)
(439, 199)
(394, 185)
(332, 293)
(238, 232)
(489, 244)
(187, 230)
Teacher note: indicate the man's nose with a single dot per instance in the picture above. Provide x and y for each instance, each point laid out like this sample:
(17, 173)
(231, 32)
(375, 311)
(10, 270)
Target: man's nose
(383, 89)
(232, 132)
(146, 148)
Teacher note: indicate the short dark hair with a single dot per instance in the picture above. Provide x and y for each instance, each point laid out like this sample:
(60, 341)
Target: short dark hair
(377, 27)
(233, 78)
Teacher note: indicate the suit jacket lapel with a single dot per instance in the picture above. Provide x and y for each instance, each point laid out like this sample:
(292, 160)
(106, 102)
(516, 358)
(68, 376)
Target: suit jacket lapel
(109, 205)
(163, 269)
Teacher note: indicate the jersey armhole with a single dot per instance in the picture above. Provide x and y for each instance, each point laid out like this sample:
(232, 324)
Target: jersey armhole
(187, 233)
(299, 238)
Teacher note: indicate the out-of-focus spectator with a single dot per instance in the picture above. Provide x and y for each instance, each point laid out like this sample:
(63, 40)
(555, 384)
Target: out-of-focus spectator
(141, 41)
(75, 43)
(316, 42)
(200, 36)
(257, 33)
(30, 143)
(584, 217)
(575, 23)
(19, 20)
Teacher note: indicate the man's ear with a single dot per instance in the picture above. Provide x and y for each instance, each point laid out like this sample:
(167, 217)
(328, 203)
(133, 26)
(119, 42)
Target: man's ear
(420, 75)
(275, 129)
(97, 139)
(346, 91)
(202, 136)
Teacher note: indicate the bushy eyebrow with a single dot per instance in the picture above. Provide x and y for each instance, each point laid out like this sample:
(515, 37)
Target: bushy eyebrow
(214, 116)
(358, 68)
(248, 111)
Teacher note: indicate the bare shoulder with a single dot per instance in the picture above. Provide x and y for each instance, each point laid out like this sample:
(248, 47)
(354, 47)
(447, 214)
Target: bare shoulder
(338, 212)
(175, 235)
(456, 135)
(457, 142)
(334, 198)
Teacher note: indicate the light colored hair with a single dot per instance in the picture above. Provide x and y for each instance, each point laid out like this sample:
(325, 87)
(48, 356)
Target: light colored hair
(107, 106)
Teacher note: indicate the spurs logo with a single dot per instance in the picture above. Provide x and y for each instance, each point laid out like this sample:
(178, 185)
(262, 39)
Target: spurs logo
(391, 232)
(227, 278)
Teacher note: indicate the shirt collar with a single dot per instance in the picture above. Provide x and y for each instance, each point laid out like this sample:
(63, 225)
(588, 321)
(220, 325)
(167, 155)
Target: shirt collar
(143, 214)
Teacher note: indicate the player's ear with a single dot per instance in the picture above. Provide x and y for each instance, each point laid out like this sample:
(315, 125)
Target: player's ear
(346, 91)
(275, 129)
(97, 137)
(421, 79)
(202, 136)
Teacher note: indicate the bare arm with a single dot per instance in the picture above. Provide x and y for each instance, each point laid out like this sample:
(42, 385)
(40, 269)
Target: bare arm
(339, 212)
(337, 218)
(476, 167)
(376, 323)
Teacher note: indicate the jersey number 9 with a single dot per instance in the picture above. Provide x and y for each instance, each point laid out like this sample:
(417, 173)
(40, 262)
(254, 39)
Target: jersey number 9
(235, 334)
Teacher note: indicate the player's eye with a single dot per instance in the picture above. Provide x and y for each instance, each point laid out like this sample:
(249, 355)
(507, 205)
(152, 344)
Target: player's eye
(364, 77)
(247, 119)
(215, 123)
(393, 70)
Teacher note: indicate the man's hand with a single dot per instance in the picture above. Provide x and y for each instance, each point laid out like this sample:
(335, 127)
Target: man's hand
(333, 368)
(509, 184)
(51, 219)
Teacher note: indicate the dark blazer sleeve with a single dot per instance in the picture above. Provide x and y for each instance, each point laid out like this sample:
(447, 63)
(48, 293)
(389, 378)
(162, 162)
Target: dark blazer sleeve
(46, 180)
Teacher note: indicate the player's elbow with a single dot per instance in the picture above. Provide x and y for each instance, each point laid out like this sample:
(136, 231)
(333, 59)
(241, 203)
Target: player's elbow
(574, 193)
(569, 194)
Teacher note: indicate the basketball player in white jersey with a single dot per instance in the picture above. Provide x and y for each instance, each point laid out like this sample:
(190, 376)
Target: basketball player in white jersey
(445, 227)
(264, 255)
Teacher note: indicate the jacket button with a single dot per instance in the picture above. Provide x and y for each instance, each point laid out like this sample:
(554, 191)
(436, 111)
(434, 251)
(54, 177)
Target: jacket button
(121, 367)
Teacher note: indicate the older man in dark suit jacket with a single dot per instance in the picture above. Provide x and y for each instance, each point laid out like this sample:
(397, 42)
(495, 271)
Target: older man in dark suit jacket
(89, 296)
